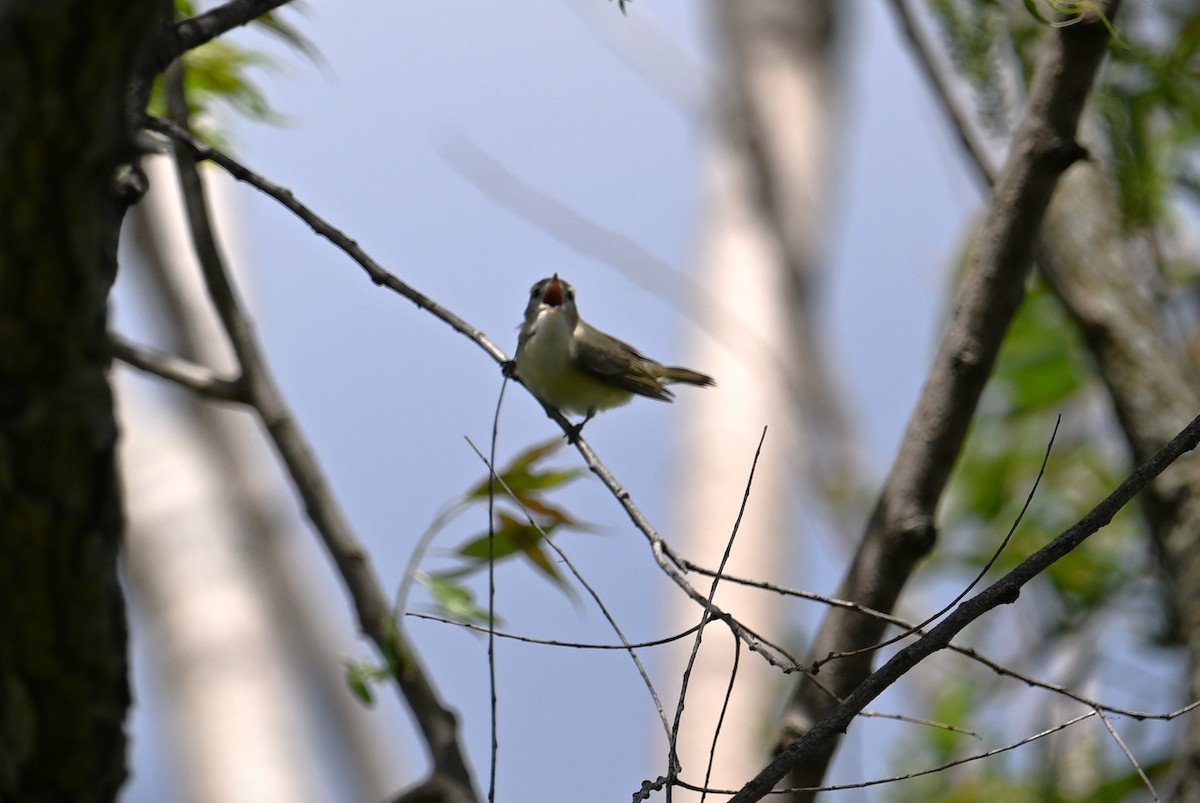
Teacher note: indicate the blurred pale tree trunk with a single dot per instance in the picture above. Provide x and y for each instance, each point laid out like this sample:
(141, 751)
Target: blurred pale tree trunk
(766, 189)
(242, 650)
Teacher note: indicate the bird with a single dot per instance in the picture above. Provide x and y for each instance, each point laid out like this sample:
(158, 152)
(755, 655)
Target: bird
(572, 365)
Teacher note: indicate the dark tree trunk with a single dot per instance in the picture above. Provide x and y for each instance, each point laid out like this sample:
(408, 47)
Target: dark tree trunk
(65, 70)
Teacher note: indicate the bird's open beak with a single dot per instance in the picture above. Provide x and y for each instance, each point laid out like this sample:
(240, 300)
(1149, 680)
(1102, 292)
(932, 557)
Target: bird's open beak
(553, 294)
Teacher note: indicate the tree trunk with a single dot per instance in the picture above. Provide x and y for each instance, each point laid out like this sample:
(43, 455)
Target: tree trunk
(65, 69)
(760, 265)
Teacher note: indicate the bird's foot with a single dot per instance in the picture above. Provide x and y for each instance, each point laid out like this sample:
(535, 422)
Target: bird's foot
(572, 433)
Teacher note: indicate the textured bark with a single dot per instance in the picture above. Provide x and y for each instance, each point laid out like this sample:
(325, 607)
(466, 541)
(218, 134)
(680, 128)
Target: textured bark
(64, 72)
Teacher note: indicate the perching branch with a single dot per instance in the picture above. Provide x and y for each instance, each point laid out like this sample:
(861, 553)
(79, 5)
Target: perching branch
(663, 555)
(437, 724)
(901, 528)
(1004, 591)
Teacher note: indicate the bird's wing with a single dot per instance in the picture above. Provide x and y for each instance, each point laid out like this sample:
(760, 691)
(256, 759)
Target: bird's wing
(617, 363)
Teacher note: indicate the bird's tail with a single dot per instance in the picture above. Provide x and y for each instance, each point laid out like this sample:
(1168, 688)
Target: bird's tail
(674, 373)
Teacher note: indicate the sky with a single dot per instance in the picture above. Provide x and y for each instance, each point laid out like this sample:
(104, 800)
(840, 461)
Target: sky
(605, 114)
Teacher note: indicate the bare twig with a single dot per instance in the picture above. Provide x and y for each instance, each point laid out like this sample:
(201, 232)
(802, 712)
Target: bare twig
(961, 119)
(912, 629)
(961, 595)
(437, 724)
(493, 693)
(190, 375)
(921, 773)
(1004, 591)
(574, 645)
(672, 565)
(712, 752)
(284, 196)
(705, 617)
(1137, 767)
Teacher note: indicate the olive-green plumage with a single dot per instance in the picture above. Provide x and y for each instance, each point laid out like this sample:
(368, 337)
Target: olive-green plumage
(574, 366)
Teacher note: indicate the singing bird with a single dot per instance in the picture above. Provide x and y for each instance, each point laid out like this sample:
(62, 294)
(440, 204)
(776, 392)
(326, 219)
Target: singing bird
(577, 368)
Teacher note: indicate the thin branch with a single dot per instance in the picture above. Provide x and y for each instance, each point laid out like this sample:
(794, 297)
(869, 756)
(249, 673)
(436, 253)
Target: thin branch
(712, 752)
(672, 565)
(493, 693)
(967, 652)
(927, 723)
(1006, 590)
(191, 33)
(920, 773)
(705, 617)
(1055, 688)
(1108, 726)
(437, 724)
(197, 378)
(574, 645)
(961, 119)
(961, 595)
(323, 228)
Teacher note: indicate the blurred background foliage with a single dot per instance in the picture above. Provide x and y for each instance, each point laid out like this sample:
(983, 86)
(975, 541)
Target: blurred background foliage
(1145, 116)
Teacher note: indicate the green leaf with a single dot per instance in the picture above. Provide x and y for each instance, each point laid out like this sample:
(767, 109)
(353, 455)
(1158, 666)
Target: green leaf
(522, 477)
(273, 23)
(513, 536)
(219, 72)
(361, 676)
(453, 599)
(1042, 363)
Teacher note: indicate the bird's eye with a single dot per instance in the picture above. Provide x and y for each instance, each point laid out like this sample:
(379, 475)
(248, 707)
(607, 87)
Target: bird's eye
(536, 291)
(570, 295)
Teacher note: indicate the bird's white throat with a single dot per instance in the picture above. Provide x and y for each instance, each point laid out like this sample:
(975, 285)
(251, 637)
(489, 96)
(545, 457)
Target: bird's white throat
(547, 366)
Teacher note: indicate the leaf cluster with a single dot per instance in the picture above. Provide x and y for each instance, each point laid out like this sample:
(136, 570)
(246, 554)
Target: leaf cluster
(522, 522)
(220, 72)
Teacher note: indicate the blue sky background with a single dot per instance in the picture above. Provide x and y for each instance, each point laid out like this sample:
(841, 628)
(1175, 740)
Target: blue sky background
(387, 393)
